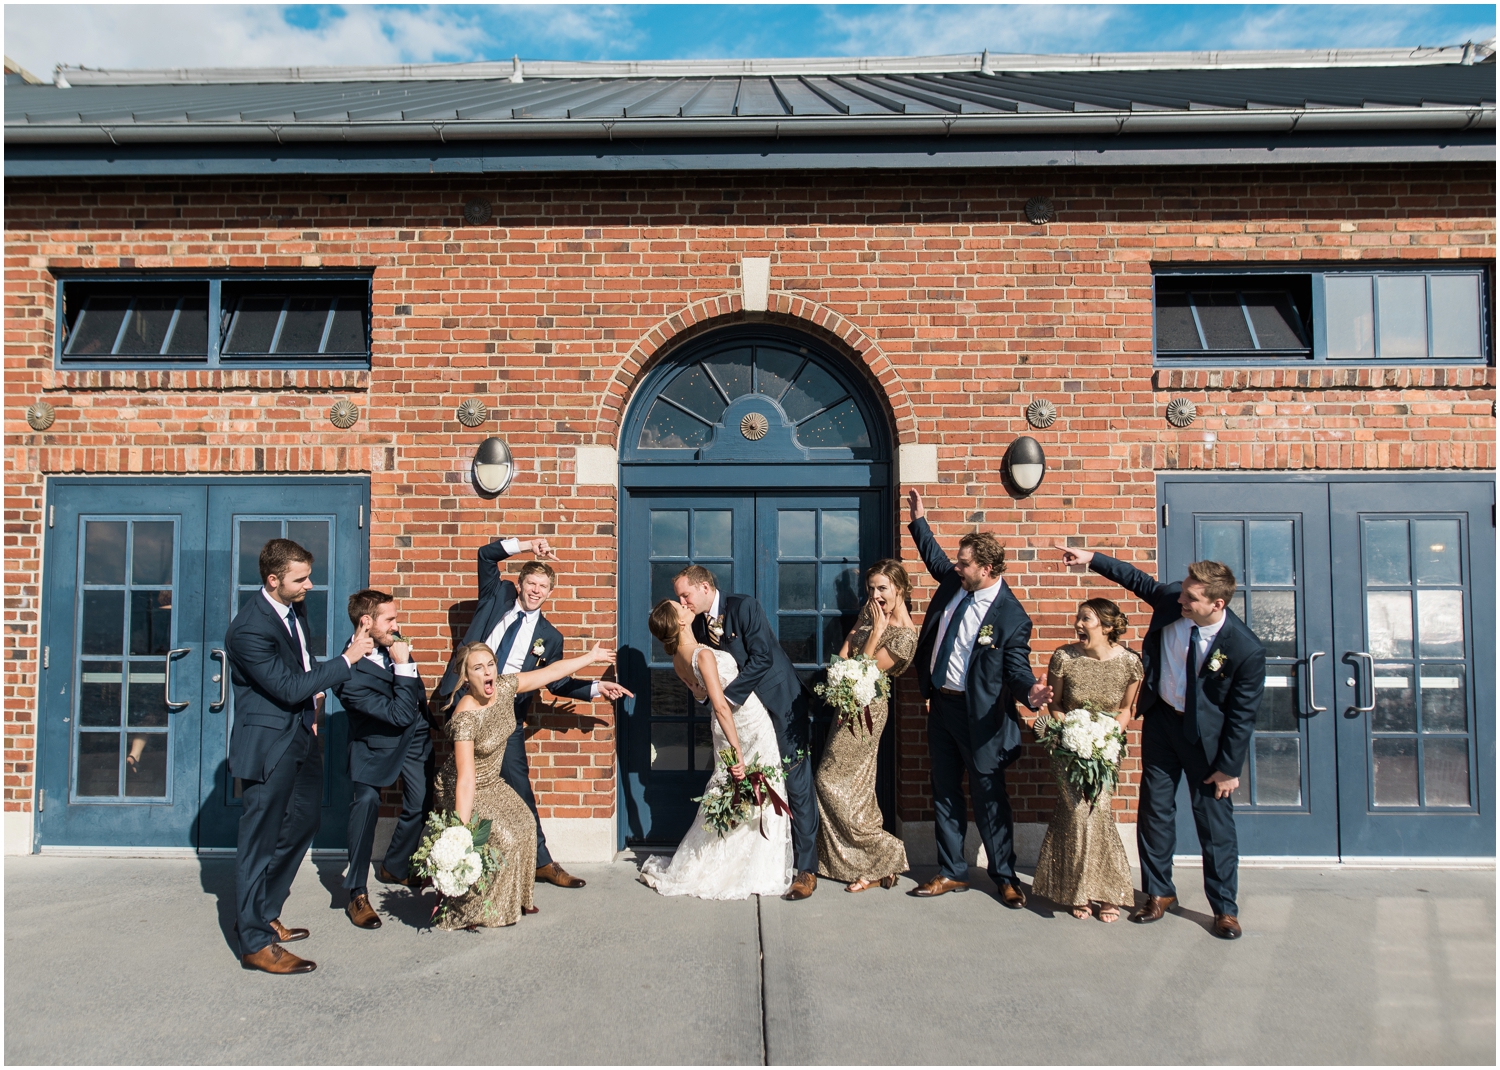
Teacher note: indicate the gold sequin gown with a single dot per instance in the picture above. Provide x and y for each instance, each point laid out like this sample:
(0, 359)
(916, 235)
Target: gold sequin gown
(513, 830)
(1082, 859)
(852, 845)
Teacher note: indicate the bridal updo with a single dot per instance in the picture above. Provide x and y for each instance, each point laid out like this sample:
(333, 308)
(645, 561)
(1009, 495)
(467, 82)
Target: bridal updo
(664, 625)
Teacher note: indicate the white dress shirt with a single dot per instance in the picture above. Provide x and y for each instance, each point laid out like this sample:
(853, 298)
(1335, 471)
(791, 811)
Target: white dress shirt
(290, 620)
(1172, 683)
(968, 632)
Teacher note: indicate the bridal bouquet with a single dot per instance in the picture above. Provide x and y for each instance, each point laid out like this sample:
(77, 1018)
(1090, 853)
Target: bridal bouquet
(458, 857)
(734, 802)
(1088, 744)
(854, 683)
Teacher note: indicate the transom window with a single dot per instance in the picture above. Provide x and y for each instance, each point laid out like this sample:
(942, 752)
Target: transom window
(816, 400)
(1346, 314)
(212, 322)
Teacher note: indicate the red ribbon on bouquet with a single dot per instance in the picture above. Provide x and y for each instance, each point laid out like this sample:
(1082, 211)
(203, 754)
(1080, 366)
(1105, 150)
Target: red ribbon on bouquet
(869, 723)
(762, 792)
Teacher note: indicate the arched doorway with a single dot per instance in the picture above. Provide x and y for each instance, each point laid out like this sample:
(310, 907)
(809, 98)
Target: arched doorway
(758, 452)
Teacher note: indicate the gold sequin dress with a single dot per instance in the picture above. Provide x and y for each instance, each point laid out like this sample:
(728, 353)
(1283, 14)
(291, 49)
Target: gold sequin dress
(852, 845)
(1082, 859)
(513, 829)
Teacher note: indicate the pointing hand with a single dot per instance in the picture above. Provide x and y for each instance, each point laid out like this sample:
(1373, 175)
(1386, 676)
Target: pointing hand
(1074, 555)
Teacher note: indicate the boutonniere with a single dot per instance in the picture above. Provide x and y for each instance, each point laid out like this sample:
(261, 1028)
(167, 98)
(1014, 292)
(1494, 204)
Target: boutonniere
(716, 628)
(538, 648)
(1216, 661)
(986, 635)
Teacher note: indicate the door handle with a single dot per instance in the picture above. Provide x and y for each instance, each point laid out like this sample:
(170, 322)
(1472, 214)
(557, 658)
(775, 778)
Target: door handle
(1312, 698)
(172, 707)
(223, 678)
(1370, 664)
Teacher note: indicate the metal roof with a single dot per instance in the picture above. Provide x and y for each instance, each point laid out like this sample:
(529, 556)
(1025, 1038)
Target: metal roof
(1247, 99)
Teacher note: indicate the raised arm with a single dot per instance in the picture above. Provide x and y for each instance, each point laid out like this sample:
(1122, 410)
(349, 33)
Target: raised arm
(536, 678)
(1126, 575)
(497, 550)
(257, 658)
(937, 563)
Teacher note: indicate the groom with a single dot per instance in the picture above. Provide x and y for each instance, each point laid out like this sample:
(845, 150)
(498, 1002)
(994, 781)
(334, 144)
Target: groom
(737, 624)
(973, 664)
(1205, 673)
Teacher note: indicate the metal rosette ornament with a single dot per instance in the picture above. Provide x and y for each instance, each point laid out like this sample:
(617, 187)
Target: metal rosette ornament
(344, 414)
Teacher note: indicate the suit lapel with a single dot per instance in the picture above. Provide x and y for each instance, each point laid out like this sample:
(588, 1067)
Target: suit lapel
(278, 622)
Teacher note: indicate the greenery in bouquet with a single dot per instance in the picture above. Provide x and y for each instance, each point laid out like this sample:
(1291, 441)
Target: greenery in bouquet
(732, 802)
(1088, 744)
(853, 684)
(458, 857)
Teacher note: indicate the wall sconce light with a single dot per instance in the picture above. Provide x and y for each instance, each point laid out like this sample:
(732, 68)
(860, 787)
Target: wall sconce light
(493, 467)
(1023, 466)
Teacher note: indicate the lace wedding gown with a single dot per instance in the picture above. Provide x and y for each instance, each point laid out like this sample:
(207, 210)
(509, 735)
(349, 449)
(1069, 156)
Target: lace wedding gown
(742, 863)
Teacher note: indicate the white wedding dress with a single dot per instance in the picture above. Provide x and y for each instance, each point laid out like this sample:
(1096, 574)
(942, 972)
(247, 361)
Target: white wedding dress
(741, 863)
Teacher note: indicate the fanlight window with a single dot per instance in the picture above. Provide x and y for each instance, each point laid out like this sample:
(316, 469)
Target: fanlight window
(825, 413)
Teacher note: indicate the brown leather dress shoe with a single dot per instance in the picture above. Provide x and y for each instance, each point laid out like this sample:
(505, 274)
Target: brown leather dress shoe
(552, 873)
(287, 936)
(1012, 896)
(362, 913)
(1226, 927)
(1153, 909)
(803, 885)
(938, 886)
(385, 876)
(273, 958)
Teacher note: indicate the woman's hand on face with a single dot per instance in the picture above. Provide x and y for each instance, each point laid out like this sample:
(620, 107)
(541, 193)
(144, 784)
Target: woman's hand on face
(880, 617)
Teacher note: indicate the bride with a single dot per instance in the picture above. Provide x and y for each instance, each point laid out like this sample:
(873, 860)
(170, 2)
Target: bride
(741, 863)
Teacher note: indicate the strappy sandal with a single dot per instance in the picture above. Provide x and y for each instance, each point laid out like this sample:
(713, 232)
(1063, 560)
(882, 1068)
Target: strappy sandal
(889, 882)
(859, 885)
(1082, 912)
(1108, 912)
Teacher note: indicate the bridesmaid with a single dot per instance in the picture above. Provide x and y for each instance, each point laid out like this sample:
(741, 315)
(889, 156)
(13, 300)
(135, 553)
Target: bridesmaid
(852, 845)
(1082, 860)
(471, 784)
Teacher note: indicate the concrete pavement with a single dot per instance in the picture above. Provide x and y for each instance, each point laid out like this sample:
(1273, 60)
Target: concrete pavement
(132, 961)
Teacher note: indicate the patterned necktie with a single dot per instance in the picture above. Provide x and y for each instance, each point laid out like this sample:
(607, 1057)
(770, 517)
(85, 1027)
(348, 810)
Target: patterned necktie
(309, 711)
(950, 638)
(507, 641)
(1190, 694)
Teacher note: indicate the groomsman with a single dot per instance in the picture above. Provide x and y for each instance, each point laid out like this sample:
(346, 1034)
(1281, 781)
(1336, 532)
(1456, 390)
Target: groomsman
(274, 749)
(973, 664)
(1205, 672)
(509, 621)
(388, 738)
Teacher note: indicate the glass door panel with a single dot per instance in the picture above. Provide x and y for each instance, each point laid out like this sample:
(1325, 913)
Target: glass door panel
(1415, 691)
(120, 709)
(1274, 538)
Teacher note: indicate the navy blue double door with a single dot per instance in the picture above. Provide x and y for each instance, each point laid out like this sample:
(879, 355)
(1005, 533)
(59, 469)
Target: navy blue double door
(141, 580)
(1374, 598)
(801, 553)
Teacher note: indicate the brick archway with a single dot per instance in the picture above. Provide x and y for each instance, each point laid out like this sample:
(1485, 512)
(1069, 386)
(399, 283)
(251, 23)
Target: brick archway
(786, 309)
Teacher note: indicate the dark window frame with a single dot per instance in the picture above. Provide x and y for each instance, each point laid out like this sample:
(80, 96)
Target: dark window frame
(214, 357)
(1318, 352)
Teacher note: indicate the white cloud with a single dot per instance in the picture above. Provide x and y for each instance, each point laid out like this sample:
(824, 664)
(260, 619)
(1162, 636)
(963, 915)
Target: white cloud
(243, 35)
(946, 30)
(1332, 26)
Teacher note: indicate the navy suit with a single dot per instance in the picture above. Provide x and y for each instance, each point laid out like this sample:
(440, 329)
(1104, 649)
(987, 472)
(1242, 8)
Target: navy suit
(1226, 700)
(767, 672)
(978, 731)
(496, 598)
(278, 761)
(388, 737)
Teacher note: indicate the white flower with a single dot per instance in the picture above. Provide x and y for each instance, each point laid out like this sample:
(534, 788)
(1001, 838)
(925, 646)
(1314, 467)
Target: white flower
(1077, 738)
(1112, 749)
(450, 848)
(448, 884)
(469, 868)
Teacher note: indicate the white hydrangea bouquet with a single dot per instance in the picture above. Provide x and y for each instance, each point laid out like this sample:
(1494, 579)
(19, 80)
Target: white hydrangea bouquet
(1088, 744)
(457, 857)
(854, 683)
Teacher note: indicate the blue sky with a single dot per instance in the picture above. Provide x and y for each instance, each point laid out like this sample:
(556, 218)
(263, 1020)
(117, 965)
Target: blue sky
(41, 36)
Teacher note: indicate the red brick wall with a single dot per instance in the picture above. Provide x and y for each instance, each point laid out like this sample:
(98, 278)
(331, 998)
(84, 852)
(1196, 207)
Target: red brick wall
(959, 310)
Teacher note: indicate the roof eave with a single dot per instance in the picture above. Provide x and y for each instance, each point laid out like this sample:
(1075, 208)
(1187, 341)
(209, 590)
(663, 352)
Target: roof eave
(1270, 121)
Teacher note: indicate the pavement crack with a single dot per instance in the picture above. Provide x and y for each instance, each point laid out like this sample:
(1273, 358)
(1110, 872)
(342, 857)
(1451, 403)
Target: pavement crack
(760, 950)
